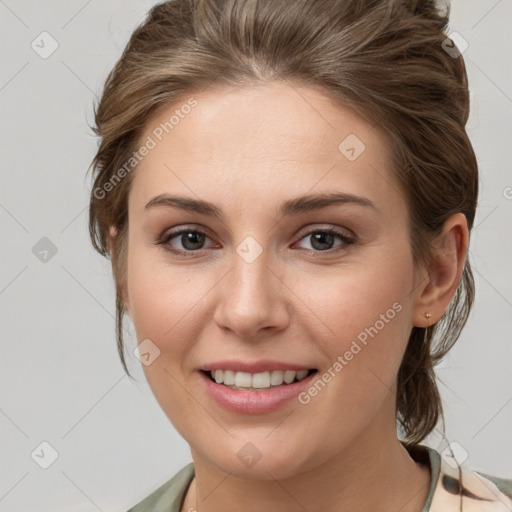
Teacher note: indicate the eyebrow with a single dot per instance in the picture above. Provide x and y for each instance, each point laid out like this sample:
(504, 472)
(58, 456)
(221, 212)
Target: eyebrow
(296, 206)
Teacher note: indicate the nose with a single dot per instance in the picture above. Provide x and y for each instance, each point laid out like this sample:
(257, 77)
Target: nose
(253, 298)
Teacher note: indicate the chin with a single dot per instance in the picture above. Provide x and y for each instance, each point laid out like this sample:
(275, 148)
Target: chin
(260, 459)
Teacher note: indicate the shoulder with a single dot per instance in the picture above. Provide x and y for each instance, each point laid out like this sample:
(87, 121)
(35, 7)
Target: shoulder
(462, 488)
(169, 495)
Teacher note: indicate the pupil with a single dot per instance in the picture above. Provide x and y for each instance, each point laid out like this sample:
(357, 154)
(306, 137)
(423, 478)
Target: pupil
(189, 239)
(321, 237)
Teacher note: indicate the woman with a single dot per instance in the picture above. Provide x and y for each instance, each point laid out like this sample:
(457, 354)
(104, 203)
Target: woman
(286, 190)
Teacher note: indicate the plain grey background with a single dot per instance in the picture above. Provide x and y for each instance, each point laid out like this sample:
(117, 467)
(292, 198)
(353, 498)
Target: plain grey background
(61, 380)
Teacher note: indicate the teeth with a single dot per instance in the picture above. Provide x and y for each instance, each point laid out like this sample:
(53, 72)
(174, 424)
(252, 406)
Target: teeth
(276, 378)
(229, 377)
(301, 374)
(242, 379)
(257, 380)
(289, 376)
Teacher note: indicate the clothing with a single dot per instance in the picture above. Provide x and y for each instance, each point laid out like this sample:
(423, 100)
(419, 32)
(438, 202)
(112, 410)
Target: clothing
(479, 492)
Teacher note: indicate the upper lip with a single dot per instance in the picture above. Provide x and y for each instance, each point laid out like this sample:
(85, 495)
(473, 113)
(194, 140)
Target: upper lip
(253, 366)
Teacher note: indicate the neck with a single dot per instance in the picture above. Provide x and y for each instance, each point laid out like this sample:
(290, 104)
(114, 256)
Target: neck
(371, 474)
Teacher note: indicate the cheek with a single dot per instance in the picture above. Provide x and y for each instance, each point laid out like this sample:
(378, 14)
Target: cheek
(353, 298)
(366, 315)
(366, 318)
(165, 303)
(169, 307)
(161, 296)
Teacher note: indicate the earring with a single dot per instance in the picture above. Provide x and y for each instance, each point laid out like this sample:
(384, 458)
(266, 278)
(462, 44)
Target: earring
(428, 315)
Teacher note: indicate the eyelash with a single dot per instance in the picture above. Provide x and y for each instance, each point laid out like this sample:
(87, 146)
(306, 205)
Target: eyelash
(347, 241)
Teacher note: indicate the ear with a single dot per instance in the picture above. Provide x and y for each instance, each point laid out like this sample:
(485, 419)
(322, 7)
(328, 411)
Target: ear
(440, 280)
(112, 233)
(112, 248)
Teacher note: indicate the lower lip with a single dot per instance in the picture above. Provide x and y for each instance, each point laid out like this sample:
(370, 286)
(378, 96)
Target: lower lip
(254, 402)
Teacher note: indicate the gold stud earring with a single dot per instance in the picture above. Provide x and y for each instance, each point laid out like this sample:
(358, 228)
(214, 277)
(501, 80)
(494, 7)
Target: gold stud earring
(428, 315)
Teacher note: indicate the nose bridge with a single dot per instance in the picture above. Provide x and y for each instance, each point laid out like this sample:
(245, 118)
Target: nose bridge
(251, 296)
(251, 279)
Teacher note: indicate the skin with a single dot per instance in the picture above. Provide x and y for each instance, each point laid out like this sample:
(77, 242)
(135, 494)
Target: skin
(247, 150)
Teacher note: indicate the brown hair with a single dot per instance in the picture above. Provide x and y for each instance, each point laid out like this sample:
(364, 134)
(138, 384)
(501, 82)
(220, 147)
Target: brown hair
(385, 59)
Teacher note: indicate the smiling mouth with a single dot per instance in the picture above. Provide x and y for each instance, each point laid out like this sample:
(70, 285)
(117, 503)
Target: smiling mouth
(257, 381)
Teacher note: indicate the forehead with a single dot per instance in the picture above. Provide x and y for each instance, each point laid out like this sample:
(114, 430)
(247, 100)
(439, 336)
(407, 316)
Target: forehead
(262, 139)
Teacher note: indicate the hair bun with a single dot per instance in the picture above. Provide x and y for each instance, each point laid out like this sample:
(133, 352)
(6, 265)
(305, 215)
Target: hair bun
(435, 10)
(429, 8)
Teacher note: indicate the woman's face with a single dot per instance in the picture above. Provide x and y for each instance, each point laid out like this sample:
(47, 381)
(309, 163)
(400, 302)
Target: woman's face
(257, 283)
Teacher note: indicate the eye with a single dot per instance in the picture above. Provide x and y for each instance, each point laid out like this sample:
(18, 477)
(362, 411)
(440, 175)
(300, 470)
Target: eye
(190, 240)
(322, 240)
